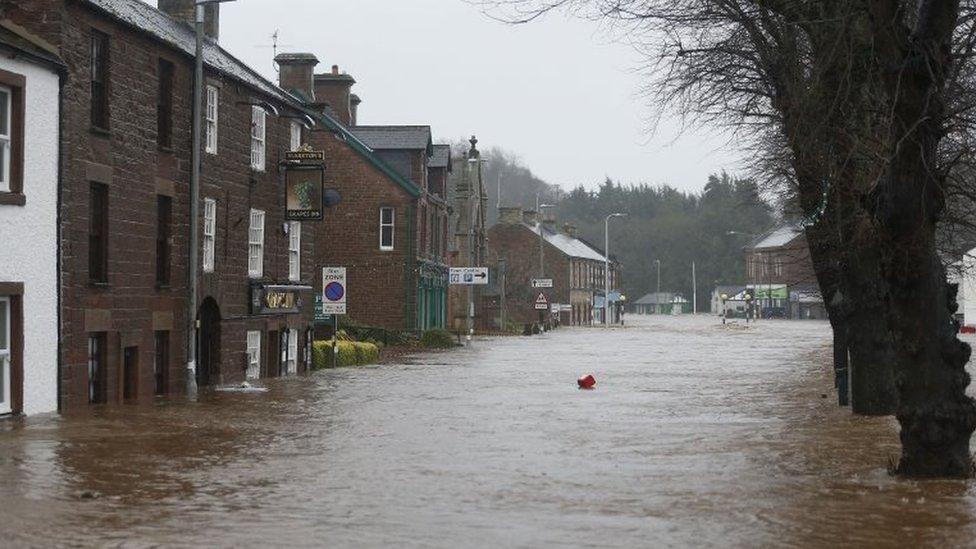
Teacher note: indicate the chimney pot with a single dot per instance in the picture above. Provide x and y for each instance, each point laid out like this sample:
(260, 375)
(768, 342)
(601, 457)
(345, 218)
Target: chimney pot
(335, 69)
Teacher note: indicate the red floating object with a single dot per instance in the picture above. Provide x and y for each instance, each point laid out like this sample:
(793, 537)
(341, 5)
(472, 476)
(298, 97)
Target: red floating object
(967, 329)
(586, 382)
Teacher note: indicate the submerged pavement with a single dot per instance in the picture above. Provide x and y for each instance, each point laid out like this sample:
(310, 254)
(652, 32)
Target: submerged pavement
(696, 435)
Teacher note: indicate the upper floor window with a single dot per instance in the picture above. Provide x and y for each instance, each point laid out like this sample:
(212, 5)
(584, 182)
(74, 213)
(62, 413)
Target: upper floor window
(209, 233)
(295, 141)
(164, 223)
(164, 105)
(99, 79)
(258, 121)
(213, 98)
(386, 228)
(255, 254)
(98, 233)
(6, 137)
(294, 251)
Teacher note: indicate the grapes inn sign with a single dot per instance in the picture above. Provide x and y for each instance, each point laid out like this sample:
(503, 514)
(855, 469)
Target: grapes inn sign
(304, 185)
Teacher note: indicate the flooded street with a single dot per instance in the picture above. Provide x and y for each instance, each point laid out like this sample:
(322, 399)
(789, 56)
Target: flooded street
(697, 434)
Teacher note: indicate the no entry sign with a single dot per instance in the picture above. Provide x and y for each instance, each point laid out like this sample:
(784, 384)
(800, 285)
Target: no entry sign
(334, 290)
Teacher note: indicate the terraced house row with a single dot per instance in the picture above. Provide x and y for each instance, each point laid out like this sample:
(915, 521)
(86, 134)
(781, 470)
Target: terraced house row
(95, 163)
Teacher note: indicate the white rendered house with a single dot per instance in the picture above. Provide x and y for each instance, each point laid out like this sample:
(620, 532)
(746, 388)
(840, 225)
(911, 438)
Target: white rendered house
(29, 153)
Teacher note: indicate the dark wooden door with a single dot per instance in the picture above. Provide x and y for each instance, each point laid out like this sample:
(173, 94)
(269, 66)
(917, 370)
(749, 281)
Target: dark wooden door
(130, 373)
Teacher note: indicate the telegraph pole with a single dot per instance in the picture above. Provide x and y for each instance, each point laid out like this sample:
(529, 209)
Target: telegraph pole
(694, 290)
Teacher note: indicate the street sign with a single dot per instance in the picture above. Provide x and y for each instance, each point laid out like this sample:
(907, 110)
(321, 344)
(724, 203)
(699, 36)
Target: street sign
(469, 276)
(334, 290)
(542, 283)
(320, 317)
(554, 308)
(565, 308)
(542, 303)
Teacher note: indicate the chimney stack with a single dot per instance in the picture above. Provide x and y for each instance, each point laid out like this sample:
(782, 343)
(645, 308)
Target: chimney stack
(296, 73)
(354, 102)
(530, 216)
(571, 230)
(185, 11)
(509, 216)
(334, 88)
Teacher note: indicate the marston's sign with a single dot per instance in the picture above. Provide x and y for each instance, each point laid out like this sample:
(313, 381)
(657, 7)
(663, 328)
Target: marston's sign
(304, 185)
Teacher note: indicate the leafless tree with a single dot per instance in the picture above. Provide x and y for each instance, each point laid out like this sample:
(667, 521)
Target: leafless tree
(865, 106)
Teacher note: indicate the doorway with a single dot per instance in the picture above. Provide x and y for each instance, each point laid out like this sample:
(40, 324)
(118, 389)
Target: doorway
(208, 342)
(274, 354)
(130, 373)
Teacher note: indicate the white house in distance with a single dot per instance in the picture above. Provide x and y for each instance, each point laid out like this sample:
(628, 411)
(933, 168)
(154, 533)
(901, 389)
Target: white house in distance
(29, 151)
(967, 290)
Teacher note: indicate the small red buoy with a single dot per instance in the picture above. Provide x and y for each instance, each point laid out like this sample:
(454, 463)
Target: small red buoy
(586, 382)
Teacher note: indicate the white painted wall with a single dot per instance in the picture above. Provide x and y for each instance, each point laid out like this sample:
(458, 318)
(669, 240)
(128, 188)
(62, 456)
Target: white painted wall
(967, 291)
(28, 236)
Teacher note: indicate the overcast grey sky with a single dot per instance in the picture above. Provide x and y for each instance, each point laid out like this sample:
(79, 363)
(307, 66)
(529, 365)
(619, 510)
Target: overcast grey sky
(558, 92)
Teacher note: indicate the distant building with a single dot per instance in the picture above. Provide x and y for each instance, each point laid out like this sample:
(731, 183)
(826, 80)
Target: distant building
(663, 303)
(30, 72)
(780, 273)
(534, 249)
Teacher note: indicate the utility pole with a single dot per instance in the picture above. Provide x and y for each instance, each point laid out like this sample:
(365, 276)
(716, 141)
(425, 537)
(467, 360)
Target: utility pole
(606, 266)
(657, 294)
(694, 290)
(501, 285)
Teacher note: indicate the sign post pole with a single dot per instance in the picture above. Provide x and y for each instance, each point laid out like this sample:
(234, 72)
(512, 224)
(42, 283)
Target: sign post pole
(335, 340)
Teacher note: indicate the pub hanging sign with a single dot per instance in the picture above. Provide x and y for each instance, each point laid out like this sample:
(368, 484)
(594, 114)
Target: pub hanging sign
(276, 299)
(304, 185)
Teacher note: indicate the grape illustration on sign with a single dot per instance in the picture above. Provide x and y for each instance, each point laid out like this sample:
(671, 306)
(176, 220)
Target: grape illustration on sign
(334, 290)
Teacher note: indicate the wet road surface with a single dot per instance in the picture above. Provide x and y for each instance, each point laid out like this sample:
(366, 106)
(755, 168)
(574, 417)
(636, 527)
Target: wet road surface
(697, 435)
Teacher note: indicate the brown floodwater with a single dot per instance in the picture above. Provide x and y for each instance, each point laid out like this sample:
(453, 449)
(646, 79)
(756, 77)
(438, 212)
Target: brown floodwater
(696, 435)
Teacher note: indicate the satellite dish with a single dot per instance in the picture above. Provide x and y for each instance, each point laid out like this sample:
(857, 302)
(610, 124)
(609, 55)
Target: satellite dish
(332, 197)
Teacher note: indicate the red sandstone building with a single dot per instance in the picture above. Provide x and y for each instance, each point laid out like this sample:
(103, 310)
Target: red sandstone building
(389, 230)
(576, 268)
(780, 275)
(124, 217)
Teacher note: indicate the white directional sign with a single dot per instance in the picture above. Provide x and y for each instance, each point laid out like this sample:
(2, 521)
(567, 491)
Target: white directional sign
(469, 276)
(542, 303)
(542, 283)
(334, 290)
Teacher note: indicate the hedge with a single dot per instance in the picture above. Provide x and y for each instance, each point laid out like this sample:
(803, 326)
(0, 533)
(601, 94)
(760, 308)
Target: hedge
(351, 353)
(437, 338)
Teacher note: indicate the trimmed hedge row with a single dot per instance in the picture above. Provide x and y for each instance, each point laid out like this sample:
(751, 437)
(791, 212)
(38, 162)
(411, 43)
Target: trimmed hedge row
(437, 338)
(351, 353)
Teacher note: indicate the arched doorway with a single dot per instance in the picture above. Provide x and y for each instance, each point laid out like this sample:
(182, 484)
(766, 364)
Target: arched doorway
(208, 342)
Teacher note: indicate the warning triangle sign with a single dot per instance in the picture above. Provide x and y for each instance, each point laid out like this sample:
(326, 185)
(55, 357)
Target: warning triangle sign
(541, 300)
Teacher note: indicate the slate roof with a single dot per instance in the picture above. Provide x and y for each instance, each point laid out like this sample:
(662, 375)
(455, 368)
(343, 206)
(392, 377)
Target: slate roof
(778, 237)
(394, 137)
(179, 35)
(664, 298)
(441, 157)
(573, 247)
(17, 38)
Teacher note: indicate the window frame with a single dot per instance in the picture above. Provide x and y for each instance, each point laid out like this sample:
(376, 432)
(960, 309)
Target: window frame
(255, 358)
(293, 145)
(391, 225)
(209, 235)
(6, 357)
(164, 235)
(98, 265)
(99, 78)
(164, 104)
(96, 363)
(12, 190)
(294, 251)
(211, 119)
(161, 353)
(259, 135)
(6, 140)
(255, 270)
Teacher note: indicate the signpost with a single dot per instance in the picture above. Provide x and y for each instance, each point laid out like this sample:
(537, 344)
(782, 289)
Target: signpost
(469, 276)
(334, 302)
(542, 302)
(542, 283)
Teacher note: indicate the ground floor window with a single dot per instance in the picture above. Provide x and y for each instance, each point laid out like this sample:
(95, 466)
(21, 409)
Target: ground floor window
(253, 355)
(5, 404)
(161, 362)
(290, 352)
(96, 368)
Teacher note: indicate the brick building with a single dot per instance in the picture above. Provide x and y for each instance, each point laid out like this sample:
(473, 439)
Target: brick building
(30, 73)
(125, 168)
(575, 267)
(388, 230)
(780, 274)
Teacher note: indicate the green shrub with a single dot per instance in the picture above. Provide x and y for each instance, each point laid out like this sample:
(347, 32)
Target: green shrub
(351, 353)
(437, 338)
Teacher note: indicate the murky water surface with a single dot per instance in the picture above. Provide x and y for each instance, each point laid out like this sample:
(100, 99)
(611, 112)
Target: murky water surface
(697, 435)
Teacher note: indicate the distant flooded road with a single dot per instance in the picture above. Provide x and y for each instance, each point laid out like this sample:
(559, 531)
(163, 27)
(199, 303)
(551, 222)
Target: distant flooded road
(697, 434)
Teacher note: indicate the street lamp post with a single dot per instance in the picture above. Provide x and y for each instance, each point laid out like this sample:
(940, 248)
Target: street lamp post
(606, 266)
(657, 294)
(191, 343)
